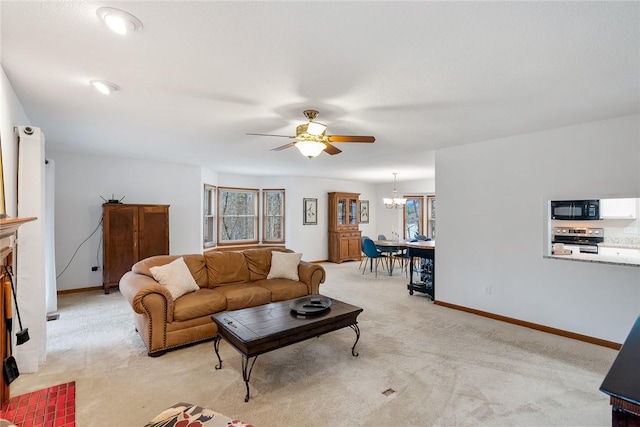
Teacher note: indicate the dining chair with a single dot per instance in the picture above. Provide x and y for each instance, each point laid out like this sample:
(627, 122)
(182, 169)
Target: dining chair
(403, 259)
(391, 252)
(372, 253)
(362, 254)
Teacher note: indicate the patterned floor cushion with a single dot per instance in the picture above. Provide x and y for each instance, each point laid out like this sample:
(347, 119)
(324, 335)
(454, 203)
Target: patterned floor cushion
(189, 415)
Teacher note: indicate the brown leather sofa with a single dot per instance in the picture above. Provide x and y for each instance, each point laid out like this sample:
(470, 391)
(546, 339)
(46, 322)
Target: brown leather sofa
(227, 281)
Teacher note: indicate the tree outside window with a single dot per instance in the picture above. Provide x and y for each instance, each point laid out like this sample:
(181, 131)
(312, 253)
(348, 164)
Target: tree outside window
(431, 216)
(209, 216)
(238, 219)
(273, 216)
(413, 222)
(414, 214)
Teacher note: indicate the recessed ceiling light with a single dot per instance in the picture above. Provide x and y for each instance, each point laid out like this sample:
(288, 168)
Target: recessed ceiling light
(104, 86)
(118, 20)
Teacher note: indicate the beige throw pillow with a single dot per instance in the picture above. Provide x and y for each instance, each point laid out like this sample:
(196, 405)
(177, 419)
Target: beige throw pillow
(176, 277)
(284, 265)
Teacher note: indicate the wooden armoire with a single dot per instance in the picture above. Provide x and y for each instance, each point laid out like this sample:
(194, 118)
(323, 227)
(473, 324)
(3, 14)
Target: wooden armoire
(131, 233)
(344, 234)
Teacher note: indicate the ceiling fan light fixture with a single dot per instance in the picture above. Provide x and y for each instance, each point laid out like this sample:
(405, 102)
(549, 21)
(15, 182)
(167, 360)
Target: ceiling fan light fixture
(310, 149)
(104, 86)
(394, 202)
(316, 129)
(119, 21)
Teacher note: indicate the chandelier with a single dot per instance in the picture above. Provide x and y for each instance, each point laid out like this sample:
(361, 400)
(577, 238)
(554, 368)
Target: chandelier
(394, 202)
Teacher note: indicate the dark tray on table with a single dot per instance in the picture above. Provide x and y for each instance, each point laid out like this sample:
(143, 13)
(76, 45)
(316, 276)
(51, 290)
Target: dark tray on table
(310, 305)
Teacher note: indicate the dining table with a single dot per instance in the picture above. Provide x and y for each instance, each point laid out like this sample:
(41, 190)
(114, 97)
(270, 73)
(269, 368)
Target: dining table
(390, 247)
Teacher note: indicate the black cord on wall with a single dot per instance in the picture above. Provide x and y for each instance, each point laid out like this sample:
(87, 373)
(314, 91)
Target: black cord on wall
(79, 246)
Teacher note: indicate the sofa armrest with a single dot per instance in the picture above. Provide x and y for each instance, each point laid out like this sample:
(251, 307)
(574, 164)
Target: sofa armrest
(146, 296)
(311, 275)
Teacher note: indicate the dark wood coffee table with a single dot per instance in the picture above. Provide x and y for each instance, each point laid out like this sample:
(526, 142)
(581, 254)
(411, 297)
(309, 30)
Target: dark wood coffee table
(257, 330)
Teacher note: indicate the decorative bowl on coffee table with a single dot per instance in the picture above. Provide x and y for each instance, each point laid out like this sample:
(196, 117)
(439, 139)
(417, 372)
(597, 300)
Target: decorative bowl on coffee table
(310, 305)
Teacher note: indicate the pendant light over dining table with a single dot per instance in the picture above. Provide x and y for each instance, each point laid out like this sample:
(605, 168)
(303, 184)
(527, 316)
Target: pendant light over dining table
(394, 202)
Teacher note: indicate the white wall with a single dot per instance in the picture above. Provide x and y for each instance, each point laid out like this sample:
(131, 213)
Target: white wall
(30, 294)
(310, 240)
(82, 179)
(11, 115)
(492, 226)
(313, 240)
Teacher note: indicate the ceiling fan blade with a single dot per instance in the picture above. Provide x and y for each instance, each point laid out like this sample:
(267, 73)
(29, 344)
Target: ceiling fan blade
(332, 149)
(268, 134)
(350, 138)
(282, 147)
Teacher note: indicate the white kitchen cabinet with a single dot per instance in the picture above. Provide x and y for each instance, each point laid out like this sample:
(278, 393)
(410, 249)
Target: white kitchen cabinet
(618, 208)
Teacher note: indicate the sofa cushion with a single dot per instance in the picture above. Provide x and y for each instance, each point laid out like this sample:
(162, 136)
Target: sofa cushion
(176, 277)
(199, 303)
(244, 295)
(194, 262)
(283, 289)
(284, 266)
(225, 268)
(259, 261)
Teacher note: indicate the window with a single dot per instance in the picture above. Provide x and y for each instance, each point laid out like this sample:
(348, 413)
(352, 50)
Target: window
(209, 216)
(273, 216)
(237, 215)
(414, 213)
(431, 217)
(413, 217)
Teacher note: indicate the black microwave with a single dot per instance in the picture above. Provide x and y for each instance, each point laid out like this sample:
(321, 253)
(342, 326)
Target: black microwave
(575, 209)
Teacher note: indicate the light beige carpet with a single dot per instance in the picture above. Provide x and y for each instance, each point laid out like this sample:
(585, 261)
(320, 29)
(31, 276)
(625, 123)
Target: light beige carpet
(444, 367)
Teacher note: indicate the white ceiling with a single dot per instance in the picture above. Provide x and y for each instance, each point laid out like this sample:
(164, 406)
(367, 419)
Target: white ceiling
(417, 75)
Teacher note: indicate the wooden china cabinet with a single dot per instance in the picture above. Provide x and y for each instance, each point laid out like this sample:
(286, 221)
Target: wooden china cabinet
(131, 233)
(344, 234)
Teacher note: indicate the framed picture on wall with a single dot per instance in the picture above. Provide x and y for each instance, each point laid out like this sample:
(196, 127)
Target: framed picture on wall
(310, 211)
(364, 212)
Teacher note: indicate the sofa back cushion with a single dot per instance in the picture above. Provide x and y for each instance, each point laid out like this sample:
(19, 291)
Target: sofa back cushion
(195, 263)
(259, 261)
(226, 268)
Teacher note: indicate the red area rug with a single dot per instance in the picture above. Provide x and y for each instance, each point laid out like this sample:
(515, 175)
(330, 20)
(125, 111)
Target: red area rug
(54, 406)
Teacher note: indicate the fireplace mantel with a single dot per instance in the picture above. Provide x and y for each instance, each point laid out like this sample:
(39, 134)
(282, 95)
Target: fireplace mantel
(8, 229)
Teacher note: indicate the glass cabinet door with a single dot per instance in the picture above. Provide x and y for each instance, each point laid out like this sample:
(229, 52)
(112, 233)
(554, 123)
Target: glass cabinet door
(353, 211)
(342, 211)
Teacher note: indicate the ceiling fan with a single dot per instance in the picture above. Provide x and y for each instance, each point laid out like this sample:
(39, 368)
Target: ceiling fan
(311, 138)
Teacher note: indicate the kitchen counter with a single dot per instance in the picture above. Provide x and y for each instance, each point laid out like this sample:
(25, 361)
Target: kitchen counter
(605, 255)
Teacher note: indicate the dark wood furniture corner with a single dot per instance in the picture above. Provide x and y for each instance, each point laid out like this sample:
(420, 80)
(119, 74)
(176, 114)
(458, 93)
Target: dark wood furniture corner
(622, 382)
(425, 251)
(344, 220)
(257, 330)
(8, 230)
(131, 233)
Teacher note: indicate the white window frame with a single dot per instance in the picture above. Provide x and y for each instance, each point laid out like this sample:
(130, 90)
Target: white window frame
(266, 215)
(209, 195)
(222, 191)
